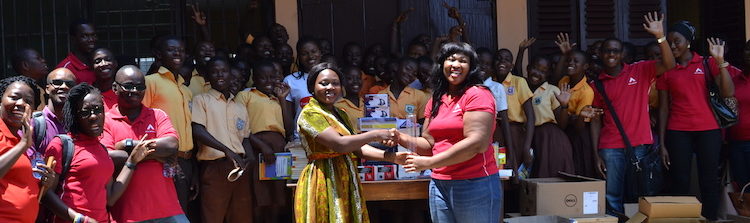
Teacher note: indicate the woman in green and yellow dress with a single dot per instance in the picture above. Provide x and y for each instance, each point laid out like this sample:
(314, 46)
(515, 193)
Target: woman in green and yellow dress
(328, 189)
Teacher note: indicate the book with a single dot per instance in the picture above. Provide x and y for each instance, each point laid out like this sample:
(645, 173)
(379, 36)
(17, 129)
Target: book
(280, 170)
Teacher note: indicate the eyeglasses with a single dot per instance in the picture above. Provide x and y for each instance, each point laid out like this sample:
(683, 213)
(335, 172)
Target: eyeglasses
(132, 87)
(59, 83)
(89, 112)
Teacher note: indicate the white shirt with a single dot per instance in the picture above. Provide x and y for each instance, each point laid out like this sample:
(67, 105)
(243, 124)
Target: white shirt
(298, 93)
(498, 90)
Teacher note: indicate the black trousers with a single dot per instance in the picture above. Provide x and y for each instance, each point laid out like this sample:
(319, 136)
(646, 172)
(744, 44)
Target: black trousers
(182, 184)
(706, 145)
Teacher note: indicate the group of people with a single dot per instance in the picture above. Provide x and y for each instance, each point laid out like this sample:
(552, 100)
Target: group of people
(99, 140)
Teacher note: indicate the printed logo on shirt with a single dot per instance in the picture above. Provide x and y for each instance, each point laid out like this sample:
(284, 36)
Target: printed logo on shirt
(150, 129)
(698, 71)
(240, 124)
(632, 81)
(537, 100)
(456, 109)
(511, 90)
(409, 108)
(304, 101)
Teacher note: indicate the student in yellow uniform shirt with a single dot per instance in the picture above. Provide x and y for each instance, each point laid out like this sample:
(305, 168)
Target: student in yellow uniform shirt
(351, 103)
(403, 99)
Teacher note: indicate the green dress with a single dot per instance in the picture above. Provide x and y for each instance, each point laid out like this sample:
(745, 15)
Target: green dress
(328, 189)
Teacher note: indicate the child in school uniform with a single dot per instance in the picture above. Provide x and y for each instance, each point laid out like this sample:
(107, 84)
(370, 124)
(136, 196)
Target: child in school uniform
(552, 149)
(351, 103)
(402, 98)
(264, 103)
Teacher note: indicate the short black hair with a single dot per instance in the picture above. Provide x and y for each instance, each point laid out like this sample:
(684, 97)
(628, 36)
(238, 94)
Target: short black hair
(608, 40)
(440, 82)
(20, 56)
(161, 41)
(483, 50)
(4, 83)
(315, 71)
(73, 28)
(261, 64)
(425, 59)
(75, 99)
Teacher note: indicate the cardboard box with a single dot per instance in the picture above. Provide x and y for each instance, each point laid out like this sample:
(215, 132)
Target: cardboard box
(537, 219)
(642, 218)
(385, 172)
(569, 196)
(366, 173)
(670, 207)
(603, 219)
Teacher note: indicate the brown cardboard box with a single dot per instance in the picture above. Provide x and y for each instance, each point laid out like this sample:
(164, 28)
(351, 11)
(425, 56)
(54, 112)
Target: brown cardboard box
(642, 218)
(670, 207)
(569, 196)
(537, 219)
(603, 219)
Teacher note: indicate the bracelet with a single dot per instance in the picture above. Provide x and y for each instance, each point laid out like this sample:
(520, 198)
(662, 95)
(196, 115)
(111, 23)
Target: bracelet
(79, 218)
(661, 40)
(130, 165)
(724, 65)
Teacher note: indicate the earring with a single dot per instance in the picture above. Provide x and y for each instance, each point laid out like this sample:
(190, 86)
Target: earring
(688, 45)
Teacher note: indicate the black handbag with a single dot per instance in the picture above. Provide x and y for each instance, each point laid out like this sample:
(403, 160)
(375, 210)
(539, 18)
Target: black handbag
(724, 109)
(644, 177)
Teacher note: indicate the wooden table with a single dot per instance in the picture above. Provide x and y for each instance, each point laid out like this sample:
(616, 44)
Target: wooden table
(391, 190)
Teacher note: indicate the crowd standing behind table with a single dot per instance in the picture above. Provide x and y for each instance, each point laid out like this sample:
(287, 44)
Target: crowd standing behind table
(96, 140)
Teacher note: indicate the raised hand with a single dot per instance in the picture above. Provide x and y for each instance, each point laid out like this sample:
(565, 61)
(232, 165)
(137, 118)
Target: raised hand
(198, 16)
(564, 96)
(526, 43)
(716, 49)
(563, 42)
(452, 11)
(654, 24)
(281, 90)
(403, 16)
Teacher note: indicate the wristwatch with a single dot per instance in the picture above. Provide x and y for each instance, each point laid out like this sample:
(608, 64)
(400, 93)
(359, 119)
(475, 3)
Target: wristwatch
(129, 144)
(662, 39)
(130, 165)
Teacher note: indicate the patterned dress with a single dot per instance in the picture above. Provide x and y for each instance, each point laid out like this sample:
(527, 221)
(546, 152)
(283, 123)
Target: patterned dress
(328, 189)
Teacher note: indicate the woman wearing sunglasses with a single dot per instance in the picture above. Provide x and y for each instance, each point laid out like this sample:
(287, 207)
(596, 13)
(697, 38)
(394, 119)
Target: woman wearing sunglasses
(87, 187)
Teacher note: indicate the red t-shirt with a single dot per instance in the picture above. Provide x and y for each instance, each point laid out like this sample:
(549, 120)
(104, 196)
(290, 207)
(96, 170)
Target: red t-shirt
(18, 188)
(84, 188)
(628, 92)
(150, 194)
(741, 131)
(83, 72)
(689, 109)
(110, 100)
(447, 128)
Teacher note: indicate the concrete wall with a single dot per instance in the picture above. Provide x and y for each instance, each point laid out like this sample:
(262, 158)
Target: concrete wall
(286, 15)
(513, 24)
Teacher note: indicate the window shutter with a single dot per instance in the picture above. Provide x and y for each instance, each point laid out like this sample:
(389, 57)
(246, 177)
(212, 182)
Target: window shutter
(547, 18)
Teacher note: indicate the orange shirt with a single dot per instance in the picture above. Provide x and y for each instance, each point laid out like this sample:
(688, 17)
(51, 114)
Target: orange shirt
(18, 188)
(354, 112)
(367, 82)
(410, 99)
(582, 95)
(173, 97)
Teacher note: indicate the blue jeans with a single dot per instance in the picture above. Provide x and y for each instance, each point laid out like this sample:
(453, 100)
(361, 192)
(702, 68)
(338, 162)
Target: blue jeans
(617, 163)
(174, 219)
(740, 162)
(474, 200)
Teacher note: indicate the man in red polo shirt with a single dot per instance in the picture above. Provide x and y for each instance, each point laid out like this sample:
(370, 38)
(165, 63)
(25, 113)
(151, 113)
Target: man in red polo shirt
(83, 41)
(151, 193)
(627, 87)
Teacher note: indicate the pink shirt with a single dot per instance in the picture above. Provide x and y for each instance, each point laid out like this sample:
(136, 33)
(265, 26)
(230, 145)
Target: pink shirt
(84, 188)
(150, 194)
(447, 128)
(628, 92)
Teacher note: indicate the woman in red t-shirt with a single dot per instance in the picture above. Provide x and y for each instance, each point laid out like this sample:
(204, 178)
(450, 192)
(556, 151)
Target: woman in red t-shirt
(739, 134)
(455, 142)
(88, 188)
(19, 188)
(687, 123)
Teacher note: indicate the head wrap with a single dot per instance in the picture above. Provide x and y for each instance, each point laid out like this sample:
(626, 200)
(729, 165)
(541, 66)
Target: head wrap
(685, 29)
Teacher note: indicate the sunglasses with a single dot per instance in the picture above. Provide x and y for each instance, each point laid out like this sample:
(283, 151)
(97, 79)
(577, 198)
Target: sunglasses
(89, 112)
(59, 83)
(132, 87)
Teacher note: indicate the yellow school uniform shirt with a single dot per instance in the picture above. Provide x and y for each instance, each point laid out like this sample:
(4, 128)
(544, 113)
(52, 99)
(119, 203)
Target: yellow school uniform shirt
(354, 112)
(225, 119)
(545, 103)
(165, 92)
(410, 99)
(264, 112)
(581, 96)
(198, 84)
(518, 92)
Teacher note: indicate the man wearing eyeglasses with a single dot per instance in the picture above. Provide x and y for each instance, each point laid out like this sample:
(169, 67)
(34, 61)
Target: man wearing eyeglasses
(151, 194)
(59, 82)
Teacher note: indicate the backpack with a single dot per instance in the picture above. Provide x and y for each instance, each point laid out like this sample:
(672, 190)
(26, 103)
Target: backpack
(40, 129)
(46, 215)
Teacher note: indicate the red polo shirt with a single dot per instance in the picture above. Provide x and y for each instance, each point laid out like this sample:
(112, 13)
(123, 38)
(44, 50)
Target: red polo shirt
(741, 131)
(110, 99)
(83, 72)
(628, 92)
(150, 194)
(84, 188)
(689, 109)
(18, 188)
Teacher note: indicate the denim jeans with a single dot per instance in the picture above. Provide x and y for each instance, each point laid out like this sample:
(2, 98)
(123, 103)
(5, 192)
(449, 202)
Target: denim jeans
(740, 162)
(474, 200)
(174, 219)
(617, 164)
